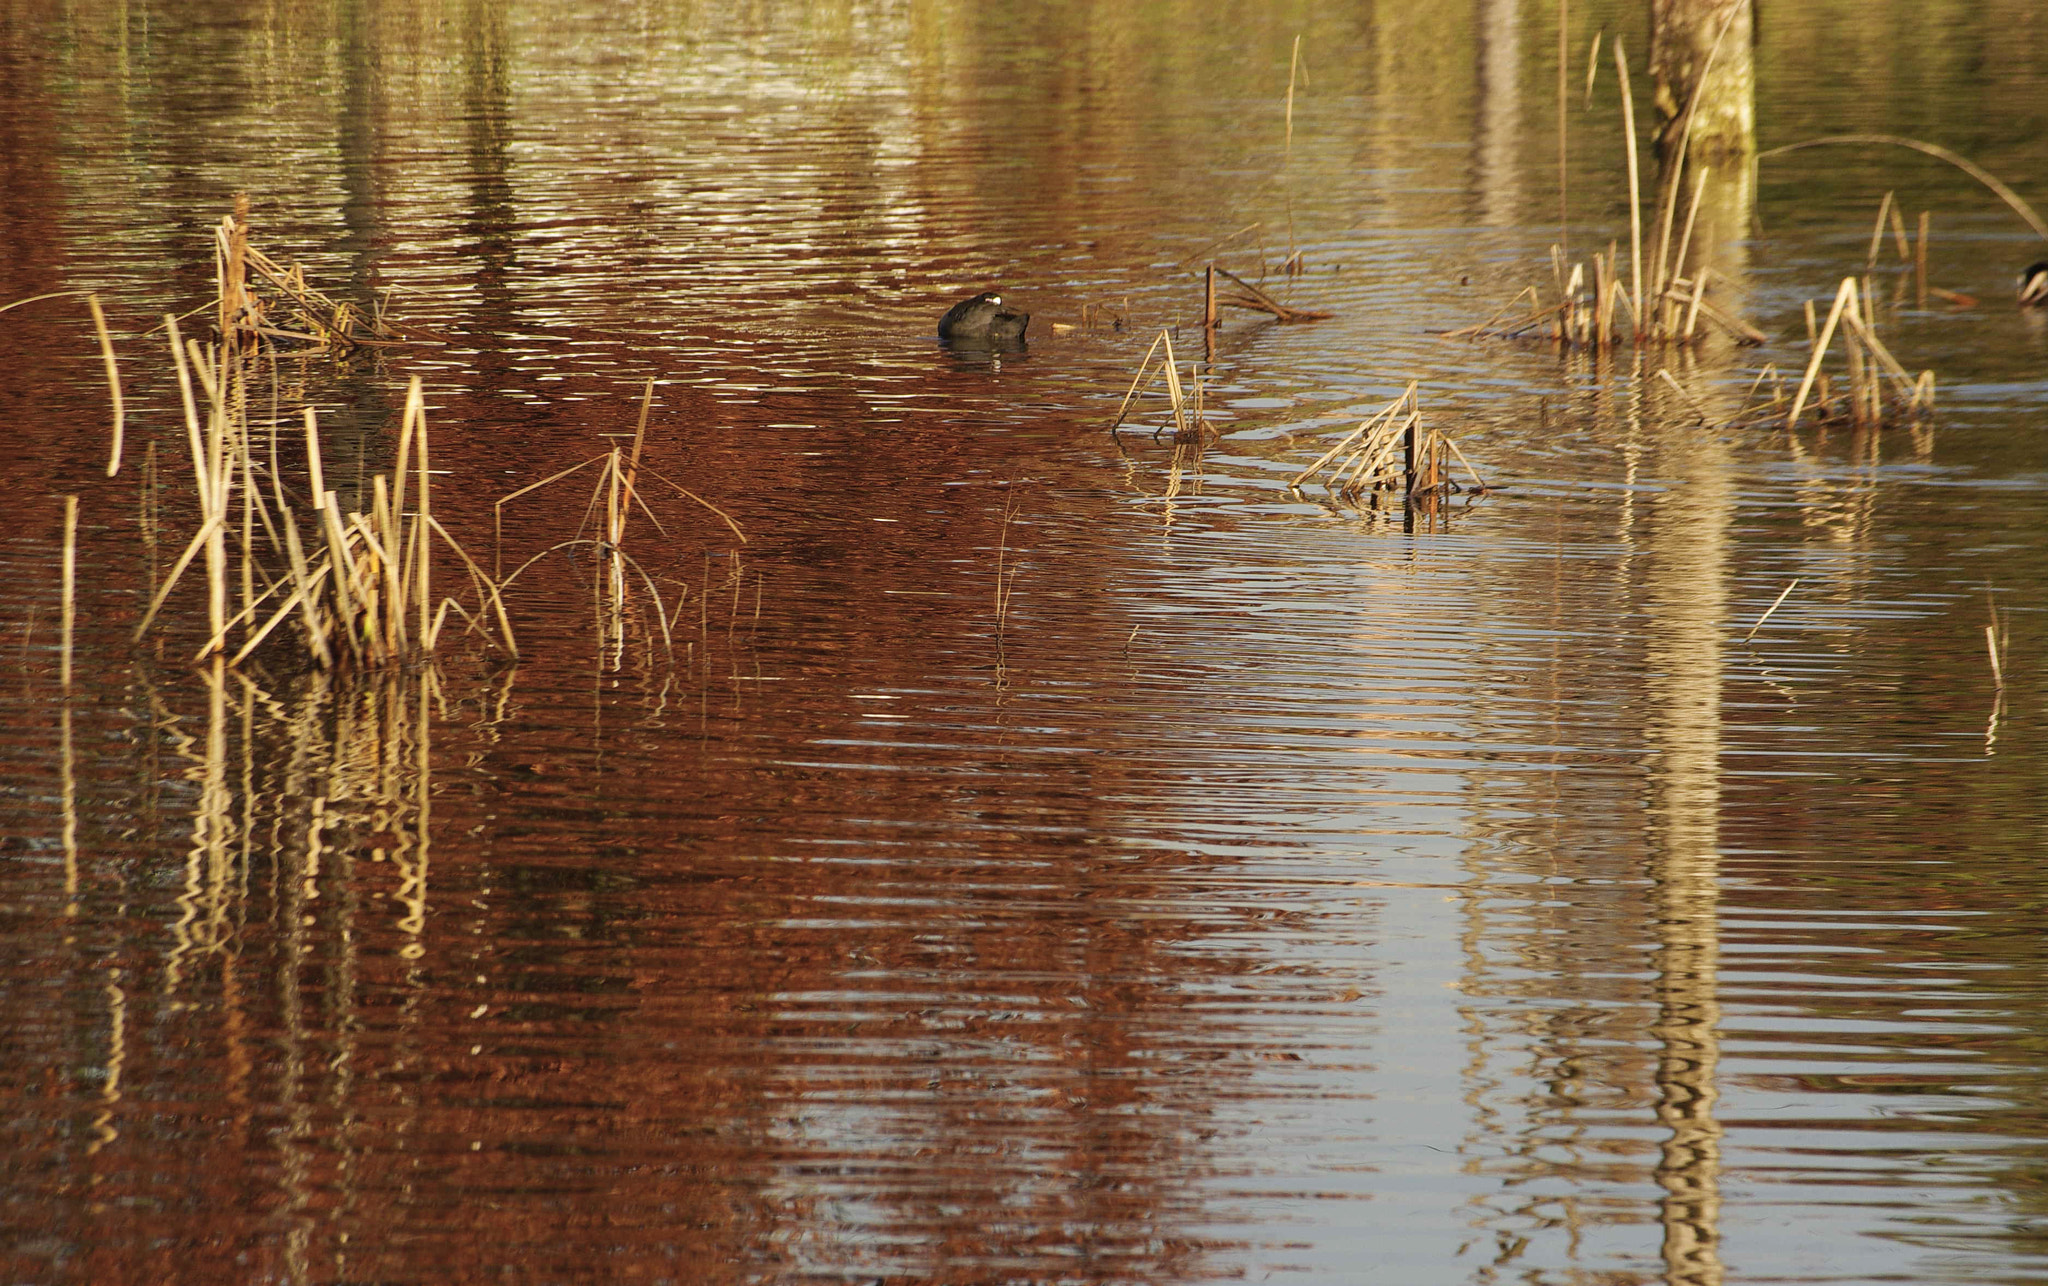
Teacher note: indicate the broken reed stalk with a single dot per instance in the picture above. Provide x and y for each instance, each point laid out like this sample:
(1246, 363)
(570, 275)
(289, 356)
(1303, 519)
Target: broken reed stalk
(1884, 208)
(1259, 301)
(1995, 643)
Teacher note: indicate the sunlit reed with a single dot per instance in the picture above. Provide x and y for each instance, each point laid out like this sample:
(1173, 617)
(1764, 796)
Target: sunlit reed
(1783, 594)
(99, 324)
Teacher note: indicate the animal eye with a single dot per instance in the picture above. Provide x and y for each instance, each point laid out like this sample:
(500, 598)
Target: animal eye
(995, 299)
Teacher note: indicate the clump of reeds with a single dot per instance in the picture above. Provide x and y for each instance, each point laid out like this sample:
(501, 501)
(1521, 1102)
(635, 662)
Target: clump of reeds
(356, 587)
(1185, 397)
(353, 588)
(1159, 366)
(1393, 453)
(1874, 390)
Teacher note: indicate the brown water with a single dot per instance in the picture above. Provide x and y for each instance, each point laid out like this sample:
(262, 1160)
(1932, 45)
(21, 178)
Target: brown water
(1274, 891)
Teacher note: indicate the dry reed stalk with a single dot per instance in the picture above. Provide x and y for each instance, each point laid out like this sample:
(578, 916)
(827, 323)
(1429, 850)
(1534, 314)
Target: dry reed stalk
(99, 325)
(315, 478)
(1005, 579)
(1843, 295)
(1706, 416)
(198, 542)
(1782, 595)
(1920, 264)
(1884, 208)
(232, 263)
(387, 543)
(1977, 172)
(1995, 639)
(69, 592)
(414, 408)
(1293, 62)
(303, 589)
(633, 465)
(344, 568)
(1635, 182)
(1483, 327)
(1692, 311)
(422, 572)
(1564, 10)
(1479, 483)
(485, 588)
(1163, 340)
(1699, 190)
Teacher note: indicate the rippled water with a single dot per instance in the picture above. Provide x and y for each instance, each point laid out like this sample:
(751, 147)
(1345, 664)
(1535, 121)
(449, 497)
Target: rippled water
(1267, 889)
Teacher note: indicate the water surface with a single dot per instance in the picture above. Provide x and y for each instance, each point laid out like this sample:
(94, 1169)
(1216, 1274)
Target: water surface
(1267, 888)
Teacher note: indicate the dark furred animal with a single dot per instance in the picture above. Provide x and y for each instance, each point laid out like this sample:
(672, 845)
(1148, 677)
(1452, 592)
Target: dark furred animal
(983, 320)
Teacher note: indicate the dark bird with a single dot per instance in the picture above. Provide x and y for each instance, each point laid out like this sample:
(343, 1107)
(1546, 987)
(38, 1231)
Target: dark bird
(983, 321)
(2034, 285)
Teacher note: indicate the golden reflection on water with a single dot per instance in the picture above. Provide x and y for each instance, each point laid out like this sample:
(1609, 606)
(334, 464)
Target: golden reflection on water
(1688, 551)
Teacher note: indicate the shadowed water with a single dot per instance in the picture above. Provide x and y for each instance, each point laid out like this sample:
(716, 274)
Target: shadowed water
(1031, 853)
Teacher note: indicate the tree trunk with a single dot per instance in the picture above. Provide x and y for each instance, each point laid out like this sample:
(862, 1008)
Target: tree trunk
(1717, 79)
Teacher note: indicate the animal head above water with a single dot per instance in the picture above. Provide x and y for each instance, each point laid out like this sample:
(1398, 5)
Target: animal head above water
(982, 321)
